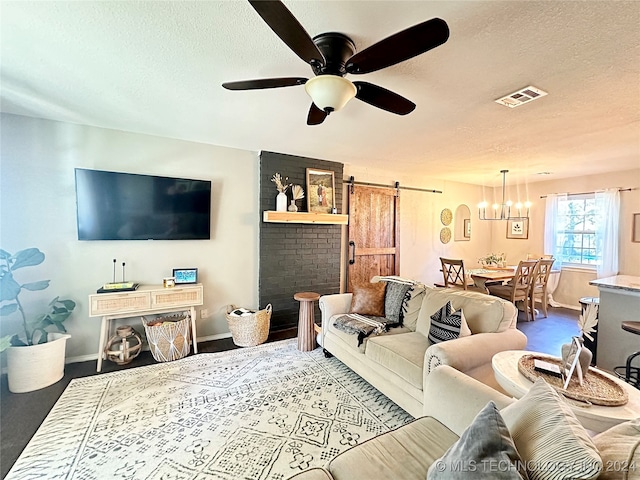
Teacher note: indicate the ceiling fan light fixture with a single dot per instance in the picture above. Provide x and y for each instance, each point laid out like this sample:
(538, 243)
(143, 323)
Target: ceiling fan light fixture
(330, 92)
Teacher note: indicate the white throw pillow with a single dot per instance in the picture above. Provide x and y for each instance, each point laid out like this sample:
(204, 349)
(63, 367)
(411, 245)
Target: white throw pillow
(549, 438)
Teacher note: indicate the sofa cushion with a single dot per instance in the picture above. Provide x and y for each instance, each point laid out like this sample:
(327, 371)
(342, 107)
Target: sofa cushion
(619, 448)
(485, 451)
(483, 313)
(350, 340)
(402, 354)
(549, 438)
(447, 325)
(368, 299)
(405, 453)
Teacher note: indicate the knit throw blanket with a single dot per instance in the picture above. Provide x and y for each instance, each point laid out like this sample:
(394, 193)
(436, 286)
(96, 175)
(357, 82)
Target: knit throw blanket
(363, 326)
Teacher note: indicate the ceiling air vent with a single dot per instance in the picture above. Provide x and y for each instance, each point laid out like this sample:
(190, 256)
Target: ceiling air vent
(521, 97)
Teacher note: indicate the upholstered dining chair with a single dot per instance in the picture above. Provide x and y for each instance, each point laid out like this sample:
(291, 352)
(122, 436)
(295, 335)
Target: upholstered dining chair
(539, 285)
(455, 276)
(518, 289)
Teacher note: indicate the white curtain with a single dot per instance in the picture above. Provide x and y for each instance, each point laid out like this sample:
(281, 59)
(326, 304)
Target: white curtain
(553, 229)
(608, 208)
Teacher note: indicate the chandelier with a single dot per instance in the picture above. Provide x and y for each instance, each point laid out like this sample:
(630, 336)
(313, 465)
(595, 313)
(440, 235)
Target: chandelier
(502, 211)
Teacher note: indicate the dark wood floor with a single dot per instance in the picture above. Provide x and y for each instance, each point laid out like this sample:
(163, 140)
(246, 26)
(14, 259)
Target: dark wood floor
(21, 414)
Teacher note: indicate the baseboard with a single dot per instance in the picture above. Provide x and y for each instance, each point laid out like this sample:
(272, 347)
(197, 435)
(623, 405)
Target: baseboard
(94, 356)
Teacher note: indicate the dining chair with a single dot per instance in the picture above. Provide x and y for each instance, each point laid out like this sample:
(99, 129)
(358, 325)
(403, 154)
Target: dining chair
(519, 288)
(539, 285)
(455, 276)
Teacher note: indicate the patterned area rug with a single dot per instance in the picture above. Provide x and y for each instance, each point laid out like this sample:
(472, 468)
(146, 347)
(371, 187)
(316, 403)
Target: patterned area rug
(266, 412)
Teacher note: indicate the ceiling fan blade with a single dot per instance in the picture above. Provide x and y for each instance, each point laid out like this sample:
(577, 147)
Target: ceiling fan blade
(383, 98)
(265, 83)
(287, 27)
(316, 116)
(400, 47)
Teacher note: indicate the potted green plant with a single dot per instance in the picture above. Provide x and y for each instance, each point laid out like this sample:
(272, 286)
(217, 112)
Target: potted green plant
(497, 259)
(35, 358)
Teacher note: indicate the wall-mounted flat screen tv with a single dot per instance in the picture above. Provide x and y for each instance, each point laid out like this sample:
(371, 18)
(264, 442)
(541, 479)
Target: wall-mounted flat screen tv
(126, 206)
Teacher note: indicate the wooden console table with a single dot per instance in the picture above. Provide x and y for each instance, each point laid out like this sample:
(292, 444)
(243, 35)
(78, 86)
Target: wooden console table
(146, 300)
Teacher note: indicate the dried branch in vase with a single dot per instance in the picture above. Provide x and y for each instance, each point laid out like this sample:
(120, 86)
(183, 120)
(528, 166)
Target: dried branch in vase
(277, 179)
(297, 192)
(589, 320)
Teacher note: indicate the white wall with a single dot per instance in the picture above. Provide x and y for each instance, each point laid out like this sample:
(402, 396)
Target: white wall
(37, 205)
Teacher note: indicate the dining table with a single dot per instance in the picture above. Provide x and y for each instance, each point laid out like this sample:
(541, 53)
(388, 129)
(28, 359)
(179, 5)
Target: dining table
(482, 276)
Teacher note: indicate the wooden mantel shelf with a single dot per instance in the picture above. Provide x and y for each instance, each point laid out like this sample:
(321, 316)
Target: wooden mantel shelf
(271, 216)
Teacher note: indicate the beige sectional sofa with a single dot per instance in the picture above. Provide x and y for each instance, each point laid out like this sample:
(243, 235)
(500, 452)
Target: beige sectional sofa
(550, 441)
(398, 362)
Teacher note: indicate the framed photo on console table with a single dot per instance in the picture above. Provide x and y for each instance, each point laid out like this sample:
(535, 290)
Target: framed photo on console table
(518, 228)
(185, 275)
(321, 196)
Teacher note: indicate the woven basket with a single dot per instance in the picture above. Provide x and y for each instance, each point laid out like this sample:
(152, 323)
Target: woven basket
(169, 341)
(250, 330)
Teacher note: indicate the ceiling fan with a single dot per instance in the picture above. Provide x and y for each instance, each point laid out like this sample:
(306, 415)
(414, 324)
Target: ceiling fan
(332, 55)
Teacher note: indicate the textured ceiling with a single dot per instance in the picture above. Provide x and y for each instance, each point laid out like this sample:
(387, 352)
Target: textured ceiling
(156, 67)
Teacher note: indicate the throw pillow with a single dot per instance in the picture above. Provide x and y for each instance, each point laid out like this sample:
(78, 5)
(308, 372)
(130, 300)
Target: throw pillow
(447, 325)
(619, 448)
(368, 299)
(412, 301)
(485, 450)
(550, 439)
(394, 298)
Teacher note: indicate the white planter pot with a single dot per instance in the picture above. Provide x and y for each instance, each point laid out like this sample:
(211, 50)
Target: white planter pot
(36, 366)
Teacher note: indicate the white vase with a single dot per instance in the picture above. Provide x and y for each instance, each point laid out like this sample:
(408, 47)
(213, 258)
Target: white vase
(281, 202)
(293, 207)
(36, 366)
(584, 360)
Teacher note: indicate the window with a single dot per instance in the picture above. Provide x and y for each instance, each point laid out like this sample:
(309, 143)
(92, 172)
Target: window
(577, 219)
(582, 230)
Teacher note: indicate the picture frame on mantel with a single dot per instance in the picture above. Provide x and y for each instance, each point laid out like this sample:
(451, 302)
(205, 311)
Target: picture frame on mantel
(321, 190)
(518, 229)
(635, 229)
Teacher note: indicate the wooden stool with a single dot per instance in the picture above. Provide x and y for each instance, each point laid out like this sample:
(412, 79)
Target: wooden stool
(306, 331)
(628, 373)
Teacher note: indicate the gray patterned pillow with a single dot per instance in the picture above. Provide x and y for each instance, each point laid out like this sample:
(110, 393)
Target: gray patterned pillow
(394, 299)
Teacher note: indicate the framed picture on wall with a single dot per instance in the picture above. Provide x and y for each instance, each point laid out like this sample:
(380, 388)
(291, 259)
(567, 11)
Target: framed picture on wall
(467, 228)
(635, 232)
(518, 228)
(321, 196)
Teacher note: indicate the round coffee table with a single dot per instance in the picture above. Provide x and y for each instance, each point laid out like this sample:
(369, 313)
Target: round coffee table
(597, 418)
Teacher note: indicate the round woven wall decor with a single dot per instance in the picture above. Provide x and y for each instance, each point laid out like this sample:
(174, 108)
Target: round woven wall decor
(445, 235)
(446, 216)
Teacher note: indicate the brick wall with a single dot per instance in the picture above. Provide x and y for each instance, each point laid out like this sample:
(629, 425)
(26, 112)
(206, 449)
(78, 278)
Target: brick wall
(295, 257)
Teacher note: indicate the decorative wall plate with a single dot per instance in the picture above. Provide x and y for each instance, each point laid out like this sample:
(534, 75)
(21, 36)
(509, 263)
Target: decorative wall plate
(445, 235)
(446, 216)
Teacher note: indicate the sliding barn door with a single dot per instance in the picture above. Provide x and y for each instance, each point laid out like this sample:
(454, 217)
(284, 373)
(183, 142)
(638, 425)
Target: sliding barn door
(374, 230)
